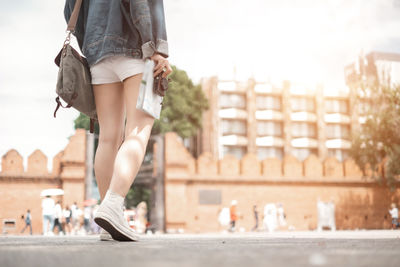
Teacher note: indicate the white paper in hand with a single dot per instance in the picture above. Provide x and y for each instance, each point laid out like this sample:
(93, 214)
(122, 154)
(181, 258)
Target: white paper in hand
(148, 101)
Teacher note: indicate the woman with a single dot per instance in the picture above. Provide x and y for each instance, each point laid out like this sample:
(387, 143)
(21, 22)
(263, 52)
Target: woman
(141, 217)
(116, 36)
(28, 221)
(394, 212)
(48, 215)
(58, 218)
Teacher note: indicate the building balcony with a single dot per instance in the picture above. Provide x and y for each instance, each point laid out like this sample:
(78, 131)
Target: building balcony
(233, 140)
(269, 115)
(269, 141)
(338, 143)
(304, 142)
(303, 116)
(232, 113)
(267, 88)
(336, 118)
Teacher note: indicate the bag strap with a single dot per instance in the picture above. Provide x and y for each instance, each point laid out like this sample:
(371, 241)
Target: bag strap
(74, 16)
(59, 104)
(91, 125)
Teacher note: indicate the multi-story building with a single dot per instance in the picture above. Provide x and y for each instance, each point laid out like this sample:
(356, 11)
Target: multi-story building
(272, 120)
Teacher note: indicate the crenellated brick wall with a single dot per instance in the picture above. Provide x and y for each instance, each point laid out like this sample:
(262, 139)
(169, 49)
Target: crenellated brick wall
(20, 189)
(361, 203)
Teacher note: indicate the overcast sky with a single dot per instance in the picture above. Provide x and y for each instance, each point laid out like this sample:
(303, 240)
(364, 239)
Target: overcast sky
(303, 41)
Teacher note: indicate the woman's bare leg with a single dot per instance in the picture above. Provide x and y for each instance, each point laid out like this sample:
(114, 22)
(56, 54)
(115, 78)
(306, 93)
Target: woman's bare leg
(111, 115)
(137, 132)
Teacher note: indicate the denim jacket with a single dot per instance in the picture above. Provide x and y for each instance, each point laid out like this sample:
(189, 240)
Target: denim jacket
(134, 28)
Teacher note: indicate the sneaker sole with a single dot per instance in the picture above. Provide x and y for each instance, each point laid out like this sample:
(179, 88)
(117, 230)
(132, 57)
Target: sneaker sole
(116, 233)
(106, 238)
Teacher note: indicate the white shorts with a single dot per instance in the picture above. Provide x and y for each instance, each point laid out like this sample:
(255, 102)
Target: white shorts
(115, 69)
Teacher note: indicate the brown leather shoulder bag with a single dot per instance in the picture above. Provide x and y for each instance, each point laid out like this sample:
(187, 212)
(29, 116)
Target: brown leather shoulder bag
(74, 79)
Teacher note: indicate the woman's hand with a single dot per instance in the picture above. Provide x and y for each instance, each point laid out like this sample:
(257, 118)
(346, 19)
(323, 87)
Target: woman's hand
(162, 65)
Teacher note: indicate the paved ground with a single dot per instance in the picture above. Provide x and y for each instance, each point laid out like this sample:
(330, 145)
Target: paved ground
(342, 248)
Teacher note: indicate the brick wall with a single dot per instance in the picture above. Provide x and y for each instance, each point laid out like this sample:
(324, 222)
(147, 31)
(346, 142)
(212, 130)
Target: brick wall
(361, 203)
(20, 189)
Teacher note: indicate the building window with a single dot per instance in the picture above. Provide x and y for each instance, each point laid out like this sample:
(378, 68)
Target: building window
(337, 131)
(237, 151)
(336, 106)
(232, 101)
(269, 128)
(233, 127)
(340, 154)
(268, 102)
(303, 153)
(269, 152)
(302, 104)
(303, 129)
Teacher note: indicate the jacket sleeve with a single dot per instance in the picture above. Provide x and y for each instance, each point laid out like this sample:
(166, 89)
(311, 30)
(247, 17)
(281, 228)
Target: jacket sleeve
(149, 19)
(79, 28)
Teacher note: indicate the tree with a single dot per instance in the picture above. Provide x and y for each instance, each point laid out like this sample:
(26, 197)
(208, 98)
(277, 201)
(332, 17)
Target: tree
(182, 106)
(378, 141)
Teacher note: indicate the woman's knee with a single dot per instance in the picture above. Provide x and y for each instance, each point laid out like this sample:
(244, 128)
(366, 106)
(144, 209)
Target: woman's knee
(111, 138)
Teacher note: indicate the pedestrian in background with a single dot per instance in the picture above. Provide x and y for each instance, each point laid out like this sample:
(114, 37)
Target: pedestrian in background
(141, 217)
(281, 215)
(67, 214)
(255, 211)
(28, 221)
(74, 207)
(233, 214)
(75, 218)
(270, 217)
(87, 216)
(58, 218)
(48, 215)
(224, 217)
(394, 212)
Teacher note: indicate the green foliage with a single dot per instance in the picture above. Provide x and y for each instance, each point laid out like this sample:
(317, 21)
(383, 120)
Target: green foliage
(137, 194)
(83, 122)
(182, 106)
(379, 137)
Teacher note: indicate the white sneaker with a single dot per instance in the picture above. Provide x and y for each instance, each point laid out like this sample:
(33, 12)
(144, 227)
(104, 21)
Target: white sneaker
(110, 217)
(105, 236)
